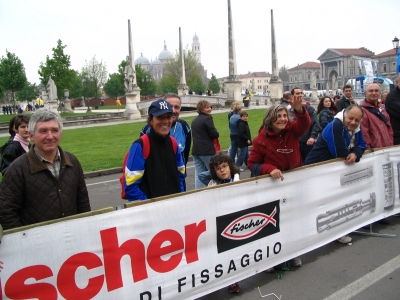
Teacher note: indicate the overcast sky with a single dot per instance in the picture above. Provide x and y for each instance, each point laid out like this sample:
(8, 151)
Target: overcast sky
(303, 29)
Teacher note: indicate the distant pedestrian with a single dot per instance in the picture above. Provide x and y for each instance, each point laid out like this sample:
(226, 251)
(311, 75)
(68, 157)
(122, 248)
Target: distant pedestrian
(203, 133)
(243, 139)
(118, 102)
(233, 130)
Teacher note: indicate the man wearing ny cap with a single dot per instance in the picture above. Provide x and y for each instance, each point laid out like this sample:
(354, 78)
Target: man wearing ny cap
(162, 172)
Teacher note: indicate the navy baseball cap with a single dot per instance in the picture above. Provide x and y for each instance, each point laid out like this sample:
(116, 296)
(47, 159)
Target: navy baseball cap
(160, 107)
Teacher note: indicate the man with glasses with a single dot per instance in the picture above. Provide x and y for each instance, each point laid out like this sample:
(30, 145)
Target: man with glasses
(376, 127)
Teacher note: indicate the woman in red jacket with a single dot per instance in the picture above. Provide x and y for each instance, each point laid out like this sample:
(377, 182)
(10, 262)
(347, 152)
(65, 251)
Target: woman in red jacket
(276, 148)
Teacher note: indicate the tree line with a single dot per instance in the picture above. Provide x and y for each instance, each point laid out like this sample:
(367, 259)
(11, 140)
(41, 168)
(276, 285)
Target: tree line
(88, 81)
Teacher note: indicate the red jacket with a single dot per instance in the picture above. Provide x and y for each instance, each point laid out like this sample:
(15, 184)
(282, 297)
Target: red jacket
(279, 151)
(376, 133)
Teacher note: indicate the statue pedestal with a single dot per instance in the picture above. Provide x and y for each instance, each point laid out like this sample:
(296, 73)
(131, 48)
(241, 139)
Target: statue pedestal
(132, 97)
(233, 92)
(276, 90)
(67, 105)
(183, 89)
(53, 105)
(314, 95)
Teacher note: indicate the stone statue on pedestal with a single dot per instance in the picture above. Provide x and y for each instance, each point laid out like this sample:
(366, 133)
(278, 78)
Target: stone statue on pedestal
(51, 89)
(252, 85)
(129, 76)
(313, 83)
(334, 83)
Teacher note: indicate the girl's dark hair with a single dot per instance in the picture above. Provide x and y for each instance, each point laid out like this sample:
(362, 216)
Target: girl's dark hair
(321, 106)
(19, 119)
(218, 159)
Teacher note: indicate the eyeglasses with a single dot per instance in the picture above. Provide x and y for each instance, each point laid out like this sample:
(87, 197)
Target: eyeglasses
(221, 167)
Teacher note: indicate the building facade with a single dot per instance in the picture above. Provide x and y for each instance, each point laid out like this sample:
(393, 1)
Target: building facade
(254, 82)
(300, 76)
(386, 64)
(338, 66)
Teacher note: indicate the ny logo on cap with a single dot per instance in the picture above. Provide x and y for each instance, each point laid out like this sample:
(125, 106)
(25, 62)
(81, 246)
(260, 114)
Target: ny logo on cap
(163, 105)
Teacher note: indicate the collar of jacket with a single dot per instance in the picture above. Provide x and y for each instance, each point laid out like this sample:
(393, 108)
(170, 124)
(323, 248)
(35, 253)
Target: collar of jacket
(36, 165)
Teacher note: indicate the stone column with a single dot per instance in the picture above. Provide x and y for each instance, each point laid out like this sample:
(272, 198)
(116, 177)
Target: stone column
(182, 88)
(233, 86)
(133, 91)
(275, 84)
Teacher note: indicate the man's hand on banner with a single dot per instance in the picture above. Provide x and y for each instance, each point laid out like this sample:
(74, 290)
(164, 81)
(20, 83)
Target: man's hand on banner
(276, 174)
(351, 158)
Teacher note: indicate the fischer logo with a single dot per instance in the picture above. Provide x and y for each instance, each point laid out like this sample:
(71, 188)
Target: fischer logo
(242, 227)
(248, 225)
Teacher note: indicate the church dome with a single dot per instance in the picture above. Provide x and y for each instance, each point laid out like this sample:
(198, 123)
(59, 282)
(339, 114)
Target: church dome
(195, 37)
(142, 60)
(165, 54)
(156, 62)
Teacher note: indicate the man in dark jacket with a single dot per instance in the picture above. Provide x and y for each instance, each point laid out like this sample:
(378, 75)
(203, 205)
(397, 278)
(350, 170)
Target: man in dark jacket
(392, 105)
(47, 182)
(308, 139)
(346, 99)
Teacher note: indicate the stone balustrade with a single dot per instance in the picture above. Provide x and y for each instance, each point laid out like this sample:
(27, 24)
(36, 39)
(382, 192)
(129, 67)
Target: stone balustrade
(191, 100)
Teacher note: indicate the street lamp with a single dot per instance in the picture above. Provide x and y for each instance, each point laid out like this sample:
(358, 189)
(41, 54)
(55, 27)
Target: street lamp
(396, 47)
(85, 81)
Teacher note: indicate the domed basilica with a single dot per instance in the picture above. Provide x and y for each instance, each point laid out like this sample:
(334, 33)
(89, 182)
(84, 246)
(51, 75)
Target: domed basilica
(156, 67)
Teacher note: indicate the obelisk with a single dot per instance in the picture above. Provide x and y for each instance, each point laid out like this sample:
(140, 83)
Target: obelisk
(132, 90)
(233, 86)
(275, 84)
(182, 88)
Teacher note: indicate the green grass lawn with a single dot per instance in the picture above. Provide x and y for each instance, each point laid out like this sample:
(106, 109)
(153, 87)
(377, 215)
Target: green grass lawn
(105, 146)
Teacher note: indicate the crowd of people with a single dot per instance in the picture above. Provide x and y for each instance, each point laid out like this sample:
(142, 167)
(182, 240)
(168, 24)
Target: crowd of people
(43, 182)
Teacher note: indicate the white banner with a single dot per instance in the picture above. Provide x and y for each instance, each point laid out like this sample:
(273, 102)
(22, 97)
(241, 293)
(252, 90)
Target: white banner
(369, 71)
(188, 246)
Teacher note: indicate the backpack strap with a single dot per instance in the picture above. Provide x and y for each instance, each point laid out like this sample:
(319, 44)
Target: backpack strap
(174, 144)
(184, 125)
(145, 146)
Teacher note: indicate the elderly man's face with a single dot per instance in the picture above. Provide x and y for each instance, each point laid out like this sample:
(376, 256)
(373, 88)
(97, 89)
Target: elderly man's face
(373, 93)
(352, 119)
(46, 137)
